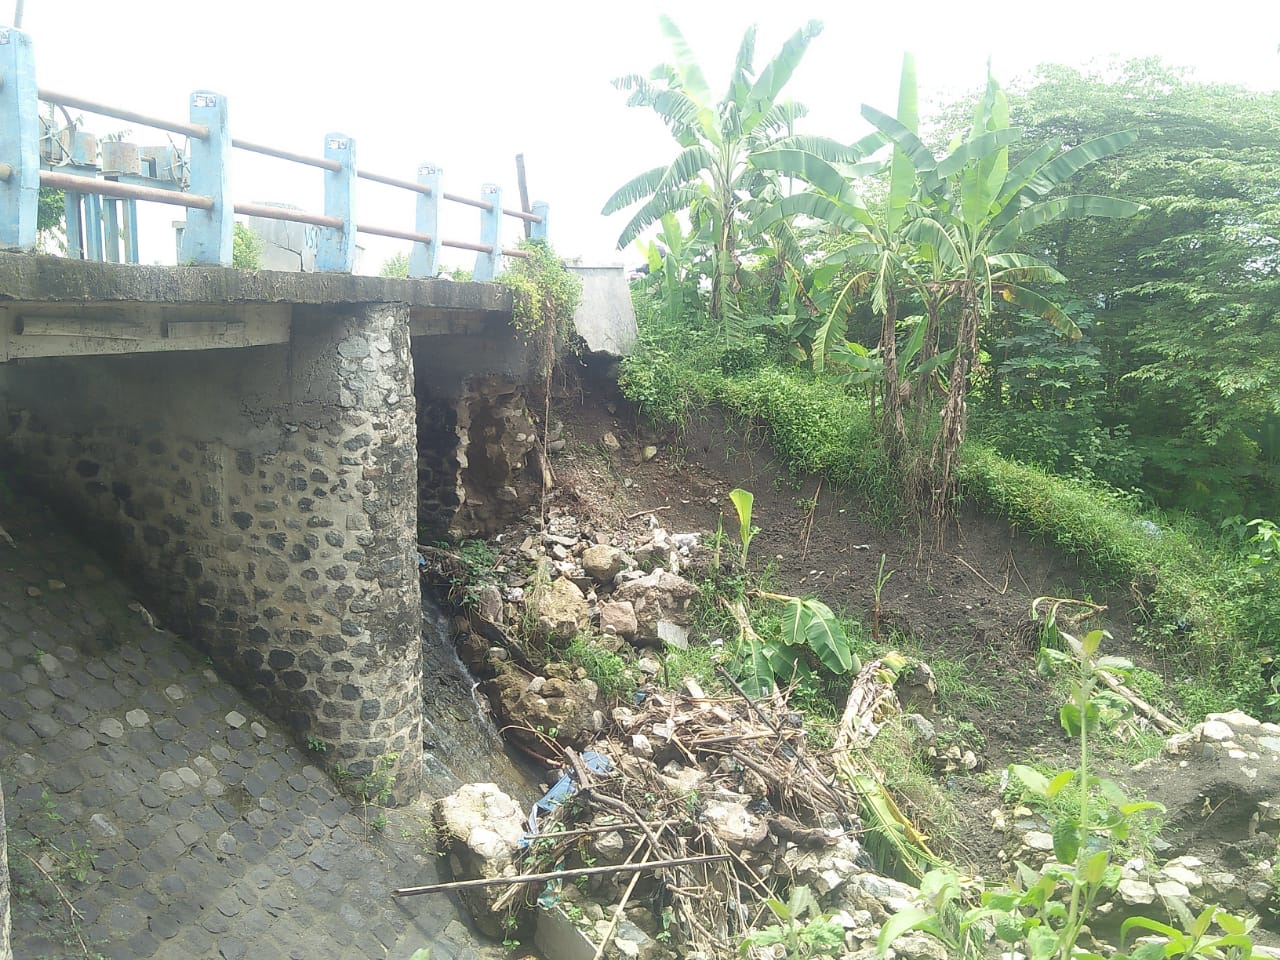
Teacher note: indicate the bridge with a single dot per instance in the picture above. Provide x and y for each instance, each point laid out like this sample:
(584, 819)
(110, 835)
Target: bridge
(260, 452)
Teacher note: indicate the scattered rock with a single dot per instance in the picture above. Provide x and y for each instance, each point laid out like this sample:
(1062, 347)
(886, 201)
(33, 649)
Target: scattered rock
(619, 617)
(561, 610)
(603, 563)
(479, 829)
(610, 442)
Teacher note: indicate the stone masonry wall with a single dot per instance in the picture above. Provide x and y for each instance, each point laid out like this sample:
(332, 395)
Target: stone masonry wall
(437, 464)
(499, 473)
(264, 502)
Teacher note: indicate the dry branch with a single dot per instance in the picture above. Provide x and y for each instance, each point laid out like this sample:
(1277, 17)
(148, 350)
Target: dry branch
(555, 875)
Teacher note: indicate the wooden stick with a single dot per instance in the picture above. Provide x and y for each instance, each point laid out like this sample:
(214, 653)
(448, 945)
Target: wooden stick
(599, 828)
(640, 513)
(556, 875)
(984, 579)
(617, 913)
(74, 914)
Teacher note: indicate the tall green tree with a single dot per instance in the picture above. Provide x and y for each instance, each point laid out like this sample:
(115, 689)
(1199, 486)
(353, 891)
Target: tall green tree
(712, 177)
(1187, 298)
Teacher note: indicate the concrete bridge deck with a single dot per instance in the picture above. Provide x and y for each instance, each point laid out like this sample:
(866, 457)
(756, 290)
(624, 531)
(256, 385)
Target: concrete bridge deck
(178, 820)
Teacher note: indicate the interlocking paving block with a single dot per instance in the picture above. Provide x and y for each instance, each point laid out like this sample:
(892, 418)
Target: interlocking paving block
(134, 748)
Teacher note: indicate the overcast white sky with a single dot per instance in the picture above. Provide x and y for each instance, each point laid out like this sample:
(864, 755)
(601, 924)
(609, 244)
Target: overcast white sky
(469, 85)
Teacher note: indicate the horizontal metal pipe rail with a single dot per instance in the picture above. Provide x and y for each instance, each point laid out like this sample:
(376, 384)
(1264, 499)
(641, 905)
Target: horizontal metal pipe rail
(196, 177)
(284, 213)
(321, 162)
(197, 130)
(125, 191)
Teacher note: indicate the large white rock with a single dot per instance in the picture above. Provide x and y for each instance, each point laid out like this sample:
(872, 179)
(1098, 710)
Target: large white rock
(479, 828)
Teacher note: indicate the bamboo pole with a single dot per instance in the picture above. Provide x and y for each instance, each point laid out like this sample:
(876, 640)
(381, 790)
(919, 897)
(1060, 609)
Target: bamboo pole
(556, 875)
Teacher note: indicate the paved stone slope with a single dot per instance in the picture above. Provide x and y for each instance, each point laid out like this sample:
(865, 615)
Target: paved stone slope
(176, 820)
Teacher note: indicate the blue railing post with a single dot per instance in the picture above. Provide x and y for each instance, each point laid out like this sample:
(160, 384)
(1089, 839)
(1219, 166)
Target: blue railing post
(207, 238)
(538, 231)
(19, 141)
(336, 250)
(424, 256)
(490, 232)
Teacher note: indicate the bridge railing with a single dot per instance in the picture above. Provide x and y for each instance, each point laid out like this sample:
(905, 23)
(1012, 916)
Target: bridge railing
(101, 198)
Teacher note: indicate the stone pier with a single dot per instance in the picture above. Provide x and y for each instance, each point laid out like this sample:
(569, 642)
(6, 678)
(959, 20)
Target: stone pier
(244, 445)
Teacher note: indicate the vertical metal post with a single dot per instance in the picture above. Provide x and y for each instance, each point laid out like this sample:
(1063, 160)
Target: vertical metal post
(71, 211)
(111, 222)
(336, 250)
(424, 257)
(523, 184)
(131, 231)
(92, 227)
(207, 238)
(539, 231)
(490, 232)
(19, 141)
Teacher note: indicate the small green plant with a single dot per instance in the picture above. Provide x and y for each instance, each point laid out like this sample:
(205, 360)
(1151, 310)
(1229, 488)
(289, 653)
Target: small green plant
(1264, 543)
(881, 579)
(805, 623)
(1045, 914)
(815, 937)
(604, 667)
(743, 501)
(372, 789)
(246, 248)
(316, 744)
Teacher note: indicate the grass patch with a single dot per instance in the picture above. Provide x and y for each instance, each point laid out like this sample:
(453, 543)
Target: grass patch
(608, 670)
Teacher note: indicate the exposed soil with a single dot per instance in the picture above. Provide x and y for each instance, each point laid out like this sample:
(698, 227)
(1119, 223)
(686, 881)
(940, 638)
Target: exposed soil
(966, 607)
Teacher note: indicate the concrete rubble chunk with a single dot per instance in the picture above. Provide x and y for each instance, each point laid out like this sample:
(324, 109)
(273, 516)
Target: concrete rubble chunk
(479, 829)
(562, 610)
(602, 562)
(656, 597)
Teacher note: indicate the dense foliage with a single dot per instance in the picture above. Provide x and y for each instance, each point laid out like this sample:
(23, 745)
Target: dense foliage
(1153, 385)
(1175, 386)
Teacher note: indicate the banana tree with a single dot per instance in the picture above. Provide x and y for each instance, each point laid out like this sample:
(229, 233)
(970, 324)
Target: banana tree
(712, 175)
(877, 248)
(670, 262)
(948, 233)
(967, 215)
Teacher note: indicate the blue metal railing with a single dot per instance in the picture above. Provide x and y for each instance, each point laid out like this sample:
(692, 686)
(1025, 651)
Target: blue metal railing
(101, 197)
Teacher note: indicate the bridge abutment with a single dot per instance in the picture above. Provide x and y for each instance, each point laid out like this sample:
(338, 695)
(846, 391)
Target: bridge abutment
(265, 502)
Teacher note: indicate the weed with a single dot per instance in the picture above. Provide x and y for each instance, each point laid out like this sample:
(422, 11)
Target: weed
(372, 789)
(608, 670)
(316, 744)
(1044, 916)
(815, 937)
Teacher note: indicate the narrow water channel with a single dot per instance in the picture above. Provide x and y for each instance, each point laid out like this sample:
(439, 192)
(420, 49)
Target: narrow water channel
(460, 743)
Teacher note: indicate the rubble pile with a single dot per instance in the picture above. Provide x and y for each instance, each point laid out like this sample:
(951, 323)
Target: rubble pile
(725, 805)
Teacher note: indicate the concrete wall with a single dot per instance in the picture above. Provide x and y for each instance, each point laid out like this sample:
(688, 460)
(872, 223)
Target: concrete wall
(264, 500)
(605, 318)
